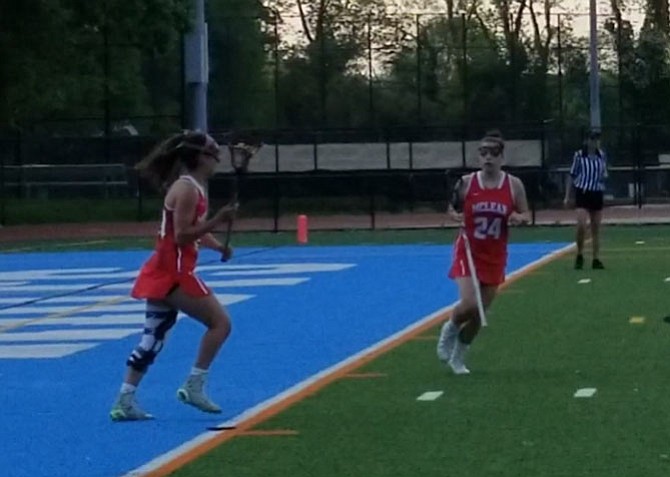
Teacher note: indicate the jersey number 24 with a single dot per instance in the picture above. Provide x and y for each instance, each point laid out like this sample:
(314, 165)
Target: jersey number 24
(488, 227)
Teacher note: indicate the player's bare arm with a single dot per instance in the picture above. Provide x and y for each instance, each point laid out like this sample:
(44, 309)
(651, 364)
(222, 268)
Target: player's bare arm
(184, 199)
(521, 214)
(209, 241)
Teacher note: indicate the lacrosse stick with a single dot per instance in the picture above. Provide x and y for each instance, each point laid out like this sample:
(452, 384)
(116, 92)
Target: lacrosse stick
(456, 202)
(240, 155)
(473, 277)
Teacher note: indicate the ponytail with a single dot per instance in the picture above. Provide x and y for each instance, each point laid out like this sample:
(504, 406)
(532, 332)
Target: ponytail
(163, 164)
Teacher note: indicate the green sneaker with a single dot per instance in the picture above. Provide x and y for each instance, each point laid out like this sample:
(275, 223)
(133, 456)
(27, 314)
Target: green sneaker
(126, 409)
(193, 393)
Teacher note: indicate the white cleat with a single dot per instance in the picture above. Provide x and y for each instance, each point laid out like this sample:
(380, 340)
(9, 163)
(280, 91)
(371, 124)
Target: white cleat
(126, 409)
(458, 367)
(193, 393)
(456, 362)
(447, 341)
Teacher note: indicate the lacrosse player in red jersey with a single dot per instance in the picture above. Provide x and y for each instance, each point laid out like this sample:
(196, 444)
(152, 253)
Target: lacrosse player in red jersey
(180, 166)
(484, 203)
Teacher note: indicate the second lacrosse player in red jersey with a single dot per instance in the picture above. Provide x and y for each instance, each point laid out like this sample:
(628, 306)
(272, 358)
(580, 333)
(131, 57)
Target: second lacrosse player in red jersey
(484, 203)
(180, 166)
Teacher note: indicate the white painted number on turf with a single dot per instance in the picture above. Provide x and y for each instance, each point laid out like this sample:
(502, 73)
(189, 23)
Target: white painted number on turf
(80, 322)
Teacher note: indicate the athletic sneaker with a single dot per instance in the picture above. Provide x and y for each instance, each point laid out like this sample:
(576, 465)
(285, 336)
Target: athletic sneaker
(457, 356)
(446, 342)
(126, 409)
(579, 262)
(193, 393)
(597, 264)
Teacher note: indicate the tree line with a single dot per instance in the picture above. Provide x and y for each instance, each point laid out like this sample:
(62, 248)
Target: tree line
(91, 67)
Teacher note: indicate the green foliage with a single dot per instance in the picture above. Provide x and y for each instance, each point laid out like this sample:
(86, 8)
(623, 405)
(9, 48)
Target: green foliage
(240, 89)
(316, 64)
(643, 63)
(74, 58)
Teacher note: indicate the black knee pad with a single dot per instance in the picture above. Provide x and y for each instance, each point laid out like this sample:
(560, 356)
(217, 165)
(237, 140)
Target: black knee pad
(168, 320)
(140, 359)
(158, 322)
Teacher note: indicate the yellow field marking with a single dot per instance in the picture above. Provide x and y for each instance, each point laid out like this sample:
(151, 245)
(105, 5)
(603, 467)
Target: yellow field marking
(637, 320)
(171, 462)
(63, 314)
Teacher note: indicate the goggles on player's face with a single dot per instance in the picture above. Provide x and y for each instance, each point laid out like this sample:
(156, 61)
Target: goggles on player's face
(493, 151)
(213, 154)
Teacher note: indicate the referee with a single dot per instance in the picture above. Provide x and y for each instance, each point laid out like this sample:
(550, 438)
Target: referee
(587, 177)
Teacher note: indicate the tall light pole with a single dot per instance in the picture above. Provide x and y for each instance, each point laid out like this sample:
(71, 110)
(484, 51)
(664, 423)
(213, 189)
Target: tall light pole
(594, 73)
(196, 68)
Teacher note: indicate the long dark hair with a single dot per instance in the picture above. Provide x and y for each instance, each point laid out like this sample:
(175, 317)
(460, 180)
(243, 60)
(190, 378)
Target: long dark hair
(163, 164)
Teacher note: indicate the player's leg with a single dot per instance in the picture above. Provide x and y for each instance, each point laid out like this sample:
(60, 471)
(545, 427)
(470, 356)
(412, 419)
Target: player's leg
(582, 218)
(467, 329)
(595, 221)
(465, 309)
(159, 319)
(470, 328)
(208, 311)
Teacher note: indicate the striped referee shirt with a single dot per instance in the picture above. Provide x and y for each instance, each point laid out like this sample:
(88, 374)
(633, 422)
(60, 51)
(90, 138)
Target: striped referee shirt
(589, 171)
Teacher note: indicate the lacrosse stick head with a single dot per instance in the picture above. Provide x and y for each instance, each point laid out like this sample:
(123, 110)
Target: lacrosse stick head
(242, 148)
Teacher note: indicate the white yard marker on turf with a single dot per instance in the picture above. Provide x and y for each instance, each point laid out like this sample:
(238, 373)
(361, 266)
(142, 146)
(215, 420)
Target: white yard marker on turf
(430, 396)
(639, 242)
(667, 280)
(585, 392)
(584, 280)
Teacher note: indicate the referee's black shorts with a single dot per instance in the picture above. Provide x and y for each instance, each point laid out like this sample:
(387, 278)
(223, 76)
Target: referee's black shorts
(591, 200)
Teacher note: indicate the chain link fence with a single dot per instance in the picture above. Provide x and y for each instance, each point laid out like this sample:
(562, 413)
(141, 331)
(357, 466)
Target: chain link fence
(368, 114)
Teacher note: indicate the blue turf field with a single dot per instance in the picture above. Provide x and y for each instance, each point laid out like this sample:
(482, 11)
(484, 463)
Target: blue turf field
(296, 311)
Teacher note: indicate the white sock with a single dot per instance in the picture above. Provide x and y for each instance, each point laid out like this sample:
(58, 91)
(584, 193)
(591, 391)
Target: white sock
(127, 388)
(198, 371)
(452, 329)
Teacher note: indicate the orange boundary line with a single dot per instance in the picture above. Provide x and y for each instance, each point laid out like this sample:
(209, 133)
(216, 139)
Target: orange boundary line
(365, 375)
(243, 426)
(513, 292)
(269, 432)
(425, 338)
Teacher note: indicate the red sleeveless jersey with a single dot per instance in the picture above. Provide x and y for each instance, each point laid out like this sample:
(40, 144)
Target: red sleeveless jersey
(485, 214)
(171, 264)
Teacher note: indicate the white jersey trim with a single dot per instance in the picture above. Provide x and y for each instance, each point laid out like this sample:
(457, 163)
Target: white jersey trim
(197, 184)
(500, 185)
